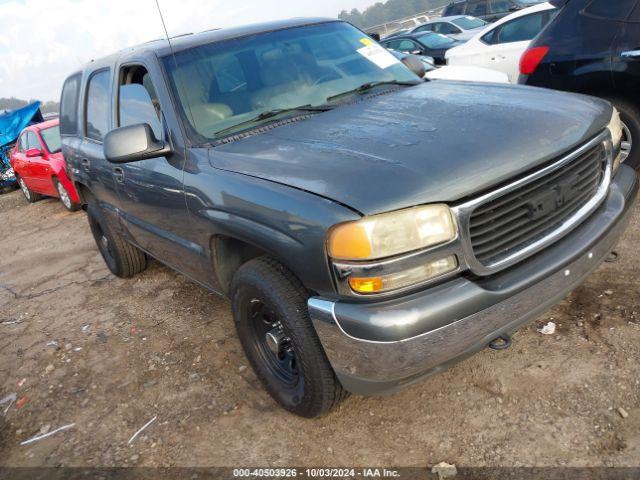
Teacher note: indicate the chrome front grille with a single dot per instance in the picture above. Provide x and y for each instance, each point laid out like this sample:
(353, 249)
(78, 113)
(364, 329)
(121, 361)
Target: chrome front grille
(523, 217)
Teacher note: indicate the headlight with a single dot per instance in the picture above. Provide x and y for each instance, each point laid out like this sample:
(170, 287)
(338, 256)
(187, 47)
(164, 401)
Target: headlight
(390, 234)
(615, 127)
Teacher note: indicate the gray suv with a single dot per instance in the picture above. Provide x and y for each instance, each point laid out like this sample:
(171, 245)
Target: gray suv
(369, 228)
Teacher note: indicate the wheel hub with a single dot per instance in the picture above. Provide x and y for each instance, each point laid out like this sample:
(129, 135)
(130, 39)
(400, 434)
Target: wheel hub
(275, 340)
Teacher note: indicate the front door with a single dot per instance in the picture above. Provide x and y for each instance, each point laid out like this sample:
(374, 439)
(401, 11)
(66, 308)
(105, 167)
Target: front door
(151, 192)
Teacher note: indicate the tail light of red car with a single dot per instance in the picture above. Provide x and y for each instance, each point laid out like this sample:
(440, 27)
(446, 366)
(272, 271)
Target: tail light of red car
(531, 60)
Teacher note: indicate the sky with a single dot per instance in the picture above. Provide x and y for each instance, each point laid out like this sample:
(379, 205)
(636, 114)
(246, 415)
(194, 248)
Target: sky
(43, 41)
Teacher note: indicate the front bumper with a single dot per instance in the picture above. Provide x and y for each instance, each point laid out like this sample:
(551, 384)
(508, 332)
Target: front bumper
(379, 348)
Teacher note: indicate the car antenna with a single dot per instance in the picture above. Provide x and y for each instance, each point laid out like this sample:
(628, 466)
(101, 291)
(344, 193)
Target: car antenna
(175, 61)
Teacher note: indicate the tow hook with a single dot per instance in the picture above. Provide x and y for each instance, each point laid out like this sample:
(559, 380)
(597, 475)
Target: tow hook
(501, 343)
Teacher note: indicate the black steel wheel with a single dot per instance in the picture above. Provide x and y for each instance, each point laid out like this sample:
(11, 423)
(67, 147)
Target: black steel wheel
(272, 319)
(123, 259)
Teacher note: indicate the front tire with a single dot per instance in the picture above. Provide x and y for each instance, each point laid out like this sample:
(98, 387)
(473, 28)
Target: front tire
(29, 195)
(630, 116)
(123, 259)
(272, 319)
(65, 198)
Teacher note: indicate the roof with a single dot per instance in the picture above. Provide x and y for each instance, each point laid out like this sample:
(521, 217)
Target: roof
(446, 19)
(44, 125)
(186, 41)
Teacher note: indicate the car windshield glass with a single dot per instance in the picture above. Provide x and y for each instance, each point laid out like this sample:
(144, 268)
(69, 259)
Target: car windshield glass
(51, 138)
(248, 81)
(469, 23)
(435, 40)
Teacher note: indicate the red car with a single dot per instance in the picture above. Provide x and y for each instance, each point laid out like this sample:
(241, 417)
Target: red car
(39, 165)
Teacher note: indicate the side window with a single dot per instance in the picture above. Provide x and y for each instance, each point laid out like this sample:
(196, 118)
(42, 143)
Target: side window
(521, 29)
(500, 6)
(24, 144)
(618, 10)
(477, 8)
(137, 100)
(490, 37)
(635, 15)
(69, 105)
(455, 9)
(32, 141)
(446, 29)
(97, 108)
(407, 46)
(426, 28)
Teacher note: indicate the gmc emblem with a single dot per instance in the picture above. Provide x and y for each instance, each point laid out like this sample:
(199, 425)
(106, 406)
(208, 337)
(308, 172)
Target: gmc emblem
(547, 203)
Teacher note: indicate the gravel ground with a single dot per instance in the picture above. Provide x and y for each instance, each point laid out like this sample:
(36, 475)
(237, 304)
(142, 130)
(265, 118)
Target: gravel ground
(79, 346)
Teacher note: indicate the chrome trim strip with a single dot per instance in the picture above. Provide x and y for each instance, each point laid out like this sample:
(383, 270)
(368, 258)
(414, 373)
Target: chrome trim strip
(464, 211)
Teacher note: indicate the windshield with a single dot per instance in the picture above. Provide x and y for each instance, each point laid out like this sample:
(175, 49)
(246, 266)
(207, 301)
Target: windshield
(469, 23)
(435, 40)
(51, 138)
(227, 84)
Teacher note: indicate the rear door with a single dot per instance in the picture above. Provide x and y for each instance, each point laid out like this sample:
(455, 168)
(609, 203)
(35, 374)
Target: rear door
(626, 54)
(507, 42)
(96, 123)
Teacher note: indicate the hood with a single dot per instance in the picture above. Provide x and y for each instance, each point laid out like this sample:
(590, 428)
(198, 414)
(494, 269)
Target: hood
(467, 34)
(438, 142)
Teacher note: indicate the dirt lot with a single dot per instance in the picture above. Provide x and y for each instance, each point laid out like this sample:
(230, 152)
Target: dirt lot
(160, 345)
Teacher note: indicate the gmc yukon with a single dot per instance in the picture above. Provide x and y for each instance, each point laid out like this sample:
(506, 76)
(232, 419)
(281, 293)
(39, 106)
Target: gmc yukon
(369, 228)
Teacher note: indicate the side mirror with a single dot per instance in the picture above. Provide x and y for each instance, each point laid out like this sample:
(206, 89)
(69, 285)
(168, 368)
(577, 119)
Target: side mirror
(33, 152)
(414, 64)
(133, 143)
(416, 52)
(514, 8)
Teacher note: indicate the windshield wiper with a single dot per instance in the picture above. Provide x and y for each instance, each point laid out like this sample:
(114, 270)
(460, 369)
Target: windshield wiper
(271, 114)
(365, 87)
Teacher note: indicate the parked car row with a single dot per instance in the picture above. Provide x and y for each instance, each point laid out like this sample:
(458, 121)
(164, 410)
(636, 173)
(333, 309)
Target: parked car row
(369, 228)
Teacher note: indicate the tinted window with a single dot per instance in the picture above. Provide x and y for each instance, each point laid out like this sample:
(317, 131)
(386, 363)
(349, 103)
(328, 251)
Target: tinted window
(635, 15)
(455, 9)
(425, 28)
(612, 10)
(477, 8)
(521, 29)
(32, 141)
(97, 121)
(499, 6)
(446, 29)
(51, 138)
(69, 105)
(435, 40)
(407, 46)
(469, 23)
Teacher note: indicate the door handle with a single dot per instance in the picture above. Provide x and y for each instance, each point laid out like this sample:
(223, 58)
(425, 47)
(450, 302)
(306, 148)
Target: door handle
(118, 173)
(85, 164)
(631, 54)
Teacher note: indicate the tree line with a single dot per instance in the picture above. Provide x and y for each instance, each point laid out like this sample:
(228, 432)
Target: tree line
(391, 10)
(14, 103)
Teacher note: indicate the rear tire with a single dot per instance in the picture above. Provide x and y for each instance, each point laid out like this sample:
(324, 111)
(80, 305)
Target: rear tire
(123, 259)
(65, 198)
(270, 303)
(630, 116)
(29, 195)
